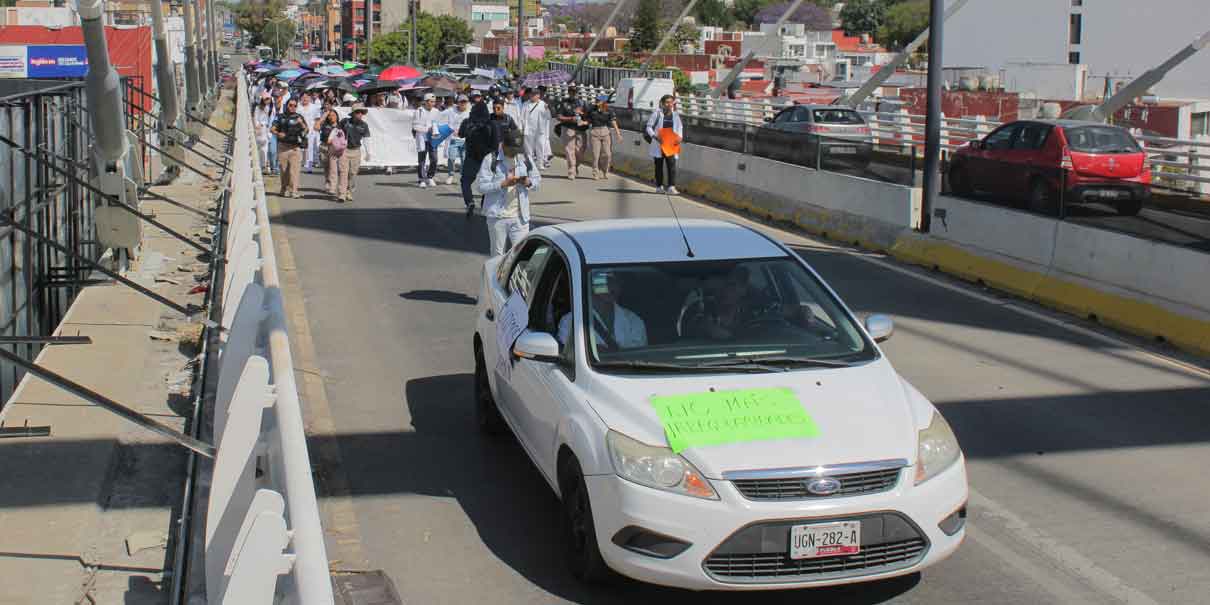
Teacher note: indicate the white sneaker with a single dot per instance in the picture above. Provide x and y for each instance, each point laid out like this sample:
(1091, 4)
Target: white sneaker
(672, 191)
(432, 183)
(424, 184)
(449, 180)
(659, 189)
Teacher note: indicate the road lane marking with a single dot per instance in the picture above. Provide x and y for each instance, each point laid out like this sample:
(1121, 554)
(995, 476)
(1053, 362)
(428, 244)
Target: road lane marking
(1061, 556)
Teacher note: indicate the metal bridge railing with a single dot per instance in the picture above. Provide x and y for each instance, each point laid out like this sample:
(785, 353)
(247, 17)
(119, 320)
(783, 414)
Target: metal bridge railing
(264, 542)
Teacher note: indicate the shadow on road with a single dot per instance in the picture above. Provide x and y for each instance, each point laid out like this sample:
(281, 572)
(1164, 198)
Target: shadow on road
(515, 512)
(439, 296)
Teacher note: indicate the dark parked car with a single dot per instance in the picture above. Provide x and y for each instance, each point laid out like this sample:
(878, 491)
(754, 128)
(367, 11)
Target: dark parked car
(840, 133)
(1043, 161)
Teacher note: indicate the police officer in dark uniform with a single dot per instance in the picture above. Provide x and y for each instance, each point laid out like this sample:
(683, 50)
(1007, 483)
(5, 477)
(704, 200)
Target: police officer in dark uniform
(291, 132)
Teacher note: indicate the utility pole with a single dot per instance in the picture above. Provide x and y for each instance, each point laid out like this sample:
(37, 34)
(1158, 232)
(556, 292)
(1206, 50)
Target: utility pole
(412, 34)
(369, 27)
(520, 38)
(191, 71)
(932, 124)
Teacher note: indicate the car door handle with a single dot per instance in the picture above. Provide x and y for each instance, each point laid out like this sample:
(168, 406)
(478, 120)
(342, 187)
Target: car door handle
(490, 315)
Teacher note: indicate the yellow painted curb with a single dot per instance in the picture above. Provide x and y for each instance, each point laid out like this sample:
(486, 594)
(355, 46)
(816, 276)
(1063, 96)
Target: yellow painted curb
(1113, 310)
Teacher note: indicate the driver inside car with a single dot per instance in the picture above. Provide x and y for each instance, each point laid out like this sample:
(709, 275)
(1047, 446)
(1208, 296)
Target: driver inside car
(731, 307)
(613, 326)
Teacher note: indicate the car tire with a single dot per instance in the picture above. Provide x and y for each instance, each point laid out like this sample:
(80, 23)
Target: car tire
(487, 414)
(1042, 198)
(960, 183)
(583, 552)
(1129, 207)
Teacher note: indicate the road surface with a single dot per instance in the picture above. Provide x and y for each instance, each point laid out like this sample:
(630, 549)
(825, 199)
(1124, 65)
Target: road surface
(1086, 455)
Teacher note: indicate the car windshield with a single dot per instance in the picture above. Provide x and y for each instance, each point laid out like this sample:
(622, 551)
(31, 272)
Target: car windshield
(756, 314)
(838, 116)
(1100, 139)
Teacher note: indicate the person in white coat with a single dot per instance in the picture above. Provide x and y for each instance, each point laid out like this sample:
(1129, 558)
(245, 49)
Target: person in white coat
(310, 110)
(535, 125)
(425, 121)
(506, 180)
(613, 326)
(512, 106)
(667, 119)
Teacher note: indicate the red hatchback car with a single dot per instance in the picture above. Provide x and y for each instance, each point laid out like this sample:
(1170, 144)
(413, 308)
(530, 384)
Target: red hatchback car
(1043, 160)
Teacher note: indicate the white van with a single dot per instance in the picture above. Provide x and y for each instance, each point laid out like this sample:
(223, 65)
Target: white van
(642, 93)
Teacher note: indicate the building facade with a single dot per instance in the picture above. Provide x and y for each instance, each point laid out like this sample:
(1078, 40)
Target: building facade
(1118, 39)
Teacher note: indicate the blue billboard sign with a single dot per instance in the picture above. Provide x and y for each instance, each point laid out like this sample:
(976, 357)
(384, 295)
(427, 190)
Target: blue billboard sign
(57, 61)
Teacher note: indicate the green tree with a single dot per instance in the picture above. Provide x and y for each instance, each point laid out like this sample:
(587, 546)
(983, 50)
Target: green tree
(713, 13)
(437, 38)
(903, 22)
(863, 16)
(686, 33)
(645, 30)
(745, 10)
(388, 49)
(279, 34)
(680, 80)
(254, 16)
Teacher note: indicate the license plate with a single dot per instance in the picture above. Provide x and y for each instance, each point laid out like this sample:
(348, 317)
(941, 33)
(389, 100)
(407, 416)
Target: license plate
(825, 540)
(1113, 193)
(842, 150)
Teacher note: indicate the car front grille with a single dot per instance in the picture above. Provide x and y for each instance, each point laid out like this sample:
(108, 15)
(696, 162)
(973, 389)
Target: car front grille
(759, 553)
(851, 484)
(779, 566)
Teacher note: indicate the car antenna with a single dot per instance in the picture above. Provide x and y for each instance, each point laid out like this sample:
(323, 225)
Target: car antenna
(671, 206)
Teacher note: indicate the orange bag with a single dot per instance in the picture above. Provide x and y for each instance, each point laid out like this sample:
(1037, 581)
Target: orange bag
(670, 143)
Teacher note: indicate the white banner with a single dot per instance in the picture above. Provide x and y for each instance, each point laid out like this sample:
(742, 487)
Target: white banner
(12, 61)
(391, 141)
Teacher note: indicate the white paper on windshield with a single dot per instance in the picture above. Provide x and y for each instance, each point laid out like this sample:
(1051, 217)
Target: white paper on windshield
(510, 323)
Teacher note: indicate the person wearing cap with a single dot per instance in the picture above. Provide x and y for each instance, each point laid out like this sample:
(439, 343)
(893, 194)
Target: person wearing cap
(535, 125)
(291, 132)
(356, 130)
(506, 180)
(425, 120)
(573, 129)
(600, 120)
(349, 99)
(454, 117)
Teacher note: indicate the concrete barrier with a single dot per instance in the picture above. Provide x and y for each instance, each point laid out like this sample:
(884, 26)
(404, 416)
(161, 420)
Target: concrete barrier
(855, 210)
(1140, 286)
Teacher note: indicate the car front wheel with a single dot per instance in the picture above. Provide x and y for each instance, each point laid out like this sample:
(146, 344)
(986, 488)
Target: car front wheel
(583, 552)
(487, 415)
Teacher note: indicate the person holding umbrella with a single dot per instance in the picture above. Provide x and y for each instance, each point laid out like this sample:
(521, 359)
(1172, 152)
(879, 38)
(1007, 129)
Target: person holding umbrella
(600, 120)
(425, 120)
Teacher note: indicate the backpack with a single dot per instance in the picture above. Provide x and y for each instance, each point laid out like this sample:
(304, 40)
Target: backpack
(479, 138)
(337, 142)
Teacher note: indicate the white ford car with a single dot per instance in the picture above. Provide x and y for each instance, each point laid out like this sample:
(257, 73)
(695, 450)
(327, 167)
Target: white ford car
(709, 412)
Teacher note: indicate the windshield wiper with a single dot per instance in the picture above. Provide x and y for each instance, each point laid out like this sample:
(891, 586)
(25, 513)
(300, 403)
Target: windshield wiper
(781, 363)
(678, 367)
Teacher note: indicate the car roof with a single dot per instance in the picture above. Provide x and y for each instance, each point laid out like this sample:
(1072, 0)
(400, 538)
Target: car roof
(620, 241)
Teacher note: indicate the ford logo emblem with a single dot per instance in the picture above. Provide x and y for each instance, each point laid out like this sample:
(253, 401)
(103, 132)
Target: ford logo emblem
(823, 486)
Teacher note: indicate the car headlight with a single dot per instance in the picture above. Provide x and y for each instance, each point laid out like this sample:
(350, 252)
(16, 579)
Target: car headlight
(656, 467)
(937, 449)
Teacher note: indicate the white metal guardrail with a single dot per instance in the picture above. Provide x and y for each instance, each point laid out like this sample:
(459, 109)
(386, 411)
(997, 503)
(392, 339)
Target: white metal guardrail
(264, 541)
(1176, 163)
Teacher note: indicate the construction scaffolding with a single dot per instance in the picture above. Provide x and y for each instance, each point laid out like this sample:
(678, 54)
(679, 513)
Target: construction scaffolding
(40, 188)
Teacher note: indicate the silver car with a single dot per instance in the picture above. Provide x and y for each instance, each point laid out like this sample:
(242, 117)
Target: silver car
(840, 133)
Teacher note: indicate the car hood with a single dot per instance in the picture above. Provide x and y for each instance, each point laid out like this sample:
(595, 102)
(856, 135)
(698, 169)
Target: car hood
(862, 414)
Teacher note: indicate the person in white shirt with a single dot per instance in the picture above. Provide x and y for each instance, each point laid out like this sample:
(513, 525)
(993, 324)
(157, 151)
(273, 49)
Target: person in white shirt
(512, 106)
(310, 110)
(425, 120)
(506, 180)
(535, 125)
(454, 117)
(613, 326)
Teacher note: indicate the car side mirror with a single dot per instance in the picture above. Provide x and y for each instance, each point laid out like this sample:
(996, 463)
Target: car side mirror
(880, 327)
(538, 346)
(768, 120)
(977, 145)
